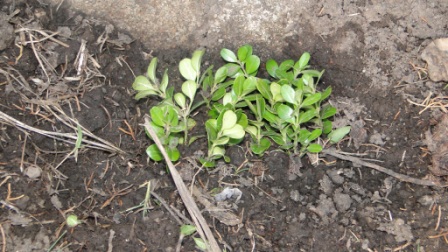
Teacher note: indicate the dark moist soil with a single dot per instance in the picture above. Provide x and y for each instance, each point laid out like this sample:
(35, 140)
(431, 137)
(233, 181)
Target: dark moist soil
(334, 206)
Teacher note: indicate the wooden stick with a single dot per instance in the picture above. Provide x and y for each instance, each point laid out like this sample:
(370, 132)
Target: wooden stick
(201, 225)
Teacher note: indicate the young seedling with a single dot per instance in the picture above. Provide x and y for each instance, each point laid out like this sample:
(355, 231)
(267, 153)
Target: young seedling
(149, 84)
(187, 230)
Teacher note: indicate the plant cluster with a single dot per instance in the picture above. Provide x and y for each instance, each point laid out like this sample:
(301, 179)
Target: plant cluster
(286, 109)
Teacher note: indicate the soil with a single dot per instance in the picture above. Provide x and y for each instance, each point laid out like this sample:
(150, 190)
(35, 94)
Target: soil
(372, 63)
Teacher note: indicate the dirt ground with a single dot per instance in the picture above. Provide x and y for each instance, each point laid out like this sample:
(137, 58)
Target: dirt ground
(372, 55)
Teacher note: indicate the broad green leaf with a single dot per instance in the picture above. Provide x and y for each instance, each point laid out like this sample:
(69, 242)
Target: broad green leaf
(314, 148)
(252, 64)
(218, 94)
(244, 52)
(312, 99)
(229, 120)
(173, 154)
(302, 63)
(315, 134)
(180, 100)
(325, 93)
(264, 89)
(271, 67)
(313, 73)
(327, 126)
(303, 136)
(186, 69)
(157, 116)
(250, 84)
(172, 116)
(276, 92)
(238, 85)
(160, 132)
(164, 83)
(288, 94)
(228, 55)
(221, 141)
(236, 132)
(196, 60)
(187, 230)
(189, 89)
(200, 243)
(337, 134)
(242, 120)
(285, 112)
(154, 153)
(227, 99)
(207, 163)
(252, 130)
(277, 138)
(210, 127)
(151, 72)
(232, 69)
(190, 123)
(221, 74)
(142, 83)
(268, 116)
(218, 151)
(327, 111)
(260, 148)
(286, 65)
(307, 116)
(261, 107)
(145, 93)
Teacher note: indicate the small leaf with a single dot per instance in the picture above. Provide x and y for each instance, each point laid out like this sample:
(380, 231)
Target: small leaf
(200, 243)
(218, 94)
(173, 154)
(172, 116)
(238, 85)
(145, 93)
(252, 64)
(142, 83)
(325, 93)
(312, 99)
(229, 120)
(232, 69)
(189, 89)
(210, 127)
(227, 99)
(315, 134)
(196, 60)
(314, 148)
(260, 148)
(207, 163)
(221, 141)
(327, 126)
(157, 116)
(180, 100)
(244, 52)
(242, 120)
(228, 55)
(263, 88)
(337, 134)
(327, 111)
(218, 151)
(271, 67)
(154, 153)
(286, 65)
(268, 116)
(285, 112)
(72, 221)
(164, 83)
(303, 61)
(253, 131)
(250, 84)
(186, 69)
(236, 132)
(151, 72)
(221, 74)
(276, 90)
(307, 116)
(288, 94)
(187, 230)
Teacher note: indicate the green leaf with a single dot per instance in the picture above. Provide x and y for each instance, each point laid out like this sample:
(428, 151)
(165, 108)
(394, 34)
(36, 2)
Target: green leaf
(270, 117)
(264, 89)
(151, 72)
(173, 154)
(207, 163)
(276, 92)
(221, 141)
(172, 116)
(337, 134)
(164, 83)
(200, 243)
(327, 111)
(232, 69)
(312, 99)
(307, 116)
(314, 148)
(285, 112)
(218, 94)
(260, 148)
(180, 100)
(303, 61)
(142, 83)
(325, 93)
(277, 138)
(252, 130)
(236, 132)
(145, 93)
(286, 65)
(261, 107)
(186, 69)
(221, 74)
(196, 60)
(211, 128)
(227, 99)
(327, 126)
(218, 151)
(250, 84)
(242, 119)
(288, 94)
(238, 85)
(228, 55)
(157, 116)
(244, 52)
(315, 134)
(189, 89)
(229, 120)
(271, 67)
(154, 153)
(313, 73)
(252, 64)
(187, 230)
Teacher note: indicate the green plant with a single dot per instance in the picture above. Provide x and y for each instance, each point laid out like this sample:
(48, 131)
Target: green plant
(287, 109)
(187, 230)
